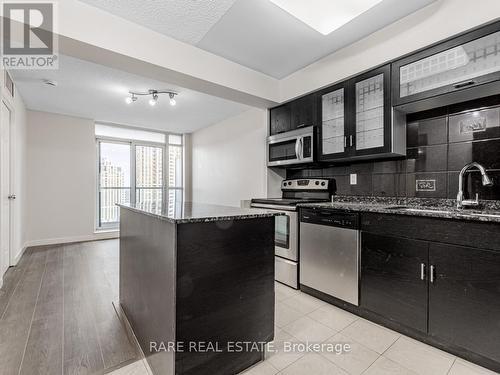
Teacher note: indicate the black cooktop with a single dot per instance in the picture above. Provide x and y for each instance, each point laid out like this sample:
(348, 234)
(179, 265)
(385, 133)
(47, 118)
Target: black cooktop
(287, 201)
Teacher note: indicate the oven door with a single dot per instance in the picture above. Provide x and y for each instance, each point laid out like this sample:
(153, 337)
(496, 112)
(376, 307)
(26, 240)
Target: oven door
(285, 231)
(285, 236)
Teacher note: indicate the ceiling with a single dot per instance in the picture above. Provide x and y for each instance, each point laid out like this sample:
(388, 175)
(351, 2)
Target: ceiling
(254, 33)
(97, 92)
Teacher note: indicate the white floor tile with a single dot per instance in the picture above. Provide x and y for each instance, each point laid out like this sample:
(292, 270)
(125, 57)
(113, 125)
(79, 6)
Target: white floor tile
(371, 335)
(419, 357)
(307, 329)
(384, 366)
(262, 368)
(461, 367)
(354, 361)
(136, 368)
(304, 303)
(333, 317)
(283, 292)
(278, 357)
(313, 364)
(285, 314)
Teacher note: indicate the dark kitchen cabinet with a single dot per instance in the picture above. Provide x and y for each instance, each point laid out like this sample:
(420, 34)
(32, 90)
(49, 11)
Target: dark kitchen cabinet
(372, 119)
(394, 279)
(458, 69)
(303, 112)
(357, 120)
(280, 119)
(464, 303)
(297, 114)
(334, 129)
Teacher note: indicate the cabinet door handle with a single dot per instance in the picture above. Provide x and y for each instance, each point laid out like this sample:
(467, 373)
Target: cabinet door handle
(432, 274)
(350, 140)
(422, 271)
(345, 141)
(464, 84)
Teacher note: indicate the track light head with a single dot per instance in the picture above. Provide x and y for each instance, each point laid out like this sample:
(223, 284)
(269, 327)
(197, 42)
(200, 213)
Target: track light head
(130, 99)
(172, 100)
(154, 100)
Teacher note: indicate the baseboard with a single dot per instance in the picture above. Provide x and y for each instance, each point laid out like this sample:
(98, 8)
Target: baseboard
(19, 255)
(92, 237)
(131, 335)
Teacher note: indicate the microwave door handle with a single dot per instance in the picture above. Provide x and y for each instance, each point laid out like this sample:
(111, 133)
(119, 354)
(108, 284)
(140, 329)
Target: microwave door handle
(301, 148)
(297, 148)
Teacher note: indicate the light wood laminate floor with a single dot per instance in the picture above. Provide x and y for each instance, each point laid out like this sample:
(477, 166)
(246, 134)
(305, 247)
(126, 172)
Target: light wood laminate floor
(57, 314)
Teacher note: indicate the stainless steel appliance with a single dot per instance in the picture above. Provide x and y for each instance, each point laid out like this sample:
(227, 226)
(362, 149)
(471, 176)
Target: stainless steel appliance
(293, 147)
(287, 226)
(330, 252)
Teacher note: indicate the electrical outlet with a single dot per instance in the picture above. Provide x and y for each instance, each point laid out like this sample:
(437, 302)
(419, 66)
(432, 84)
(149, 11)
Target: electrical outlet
(354, 179)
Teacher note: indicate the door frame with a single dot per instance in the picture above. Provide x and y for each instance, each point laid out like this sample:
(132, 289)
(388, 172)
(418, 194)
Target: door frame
(10, 108)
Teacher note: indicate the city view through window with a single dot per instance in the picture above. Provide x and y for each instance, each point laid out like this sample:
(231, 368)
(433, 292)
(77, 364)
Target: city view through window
(133, 172)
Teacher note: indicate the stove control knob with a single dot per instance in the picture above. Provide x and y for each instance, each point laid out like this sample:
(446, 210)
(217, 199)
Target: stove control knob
(323, 183)
(289, 183)
(317, 182)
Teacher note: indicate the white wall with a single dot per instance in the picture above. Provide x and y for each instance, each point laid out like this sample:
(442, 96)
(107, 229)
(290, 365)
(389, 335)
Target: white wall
(229, 160)
(433, 23)
(61, 159)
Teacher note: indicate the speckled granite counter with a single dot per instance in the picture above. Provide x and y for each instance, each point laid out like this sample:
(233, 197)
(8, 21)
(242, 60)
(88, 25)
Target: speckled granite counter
(188, 212)
(438, 208)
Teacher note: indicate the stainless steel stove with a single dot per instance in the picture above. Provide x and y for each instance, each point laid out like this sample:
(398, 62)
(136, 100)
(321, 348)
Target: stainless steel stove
(287, 227)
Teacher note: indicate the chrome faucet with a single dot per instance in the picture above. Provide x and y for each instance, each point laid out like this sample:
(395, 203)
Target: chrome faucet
(461, 203)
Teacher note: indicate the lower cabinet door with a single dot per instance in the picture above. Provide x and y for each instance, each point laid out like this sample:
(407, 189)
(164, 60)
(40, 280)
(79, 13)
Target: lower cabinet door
(394, 279)
(464, 298)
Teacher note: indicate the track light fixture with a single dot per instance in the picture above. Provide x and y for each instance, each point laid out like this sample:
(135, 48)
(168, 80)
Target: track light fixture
(154, 96)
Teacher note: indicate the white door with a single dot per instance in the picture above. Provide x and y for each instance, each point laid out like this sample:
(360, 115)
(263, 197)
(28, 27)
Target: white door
(4, 189)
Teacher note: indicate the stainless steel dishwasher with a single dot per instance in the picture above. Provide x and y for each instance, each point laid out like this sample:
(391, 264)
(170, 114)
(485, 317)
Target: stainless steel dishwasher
(330, 252)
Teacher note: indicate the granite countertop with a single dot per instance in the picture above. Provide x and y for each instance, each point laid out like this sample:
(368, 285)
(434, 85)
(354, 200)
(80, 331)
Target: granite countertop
(489, 211)
(188, 212)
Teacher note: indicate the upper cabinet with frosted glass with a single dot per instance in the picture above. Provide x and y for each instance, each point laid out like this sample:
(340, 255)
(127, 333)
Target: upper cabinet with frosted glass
(457, 69)
(357, 120)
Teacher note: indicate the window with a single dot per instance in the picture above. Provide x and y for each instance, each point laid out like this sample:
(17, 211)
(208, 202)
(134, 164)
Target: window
(131, 169)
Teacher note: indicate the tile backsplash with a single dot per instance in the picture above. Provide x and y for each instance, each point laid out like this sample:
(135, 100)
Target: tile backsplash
(439, 144)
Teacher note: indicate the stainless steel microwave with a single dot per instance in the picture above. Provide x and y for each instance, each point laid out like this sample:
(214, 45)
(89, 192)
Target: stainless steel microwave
(293, 147)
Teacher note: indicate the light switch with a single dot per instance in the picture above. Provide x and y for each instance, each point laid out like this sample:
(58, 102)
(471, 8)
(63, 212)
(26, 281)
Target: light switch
(354, 179)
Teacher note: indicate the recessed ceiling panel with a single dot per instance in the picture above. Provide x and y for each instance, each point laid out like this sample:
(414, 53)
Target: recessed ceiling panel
(89, 90)
(264, 37)
(325, 16)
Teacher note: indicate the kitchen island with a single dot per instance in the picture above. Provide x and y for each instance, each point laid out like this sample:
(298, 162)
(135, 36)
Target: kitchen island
(197, 285)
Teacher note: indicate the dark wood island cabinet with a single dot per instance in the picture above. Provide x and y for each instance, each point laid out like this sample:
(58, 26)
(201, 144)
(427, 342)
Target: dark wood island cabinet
(196, 281)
